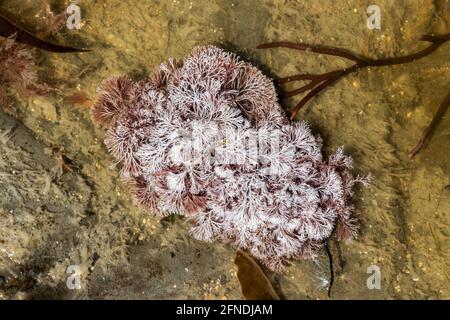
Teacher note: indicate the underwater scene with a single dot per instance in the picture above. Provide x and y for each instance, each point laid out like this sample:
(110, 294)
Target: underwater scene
(224, 150)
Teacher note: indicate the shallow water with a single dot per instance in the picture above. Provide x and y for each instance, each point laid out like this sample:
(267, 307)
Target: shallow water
(53, 217)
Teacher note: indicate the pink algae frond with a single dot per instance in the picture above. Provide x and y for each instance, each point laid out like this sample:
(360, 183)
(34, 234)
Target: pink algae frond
(206, 138)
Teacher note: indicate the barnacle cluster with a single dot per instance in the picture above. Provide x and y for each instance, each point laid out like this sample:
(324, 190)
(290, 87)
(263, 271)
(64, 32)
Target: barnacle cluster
(206, 138)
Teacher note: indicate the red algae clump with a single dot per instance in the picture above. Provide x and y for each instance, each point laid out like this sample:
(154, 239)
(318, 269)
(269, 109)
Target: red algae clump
(206, 138)
(17, 72)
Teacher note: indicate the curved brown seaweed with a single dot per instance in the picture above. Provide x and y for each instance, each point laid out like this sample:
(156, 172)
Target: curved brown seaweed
(318, 82)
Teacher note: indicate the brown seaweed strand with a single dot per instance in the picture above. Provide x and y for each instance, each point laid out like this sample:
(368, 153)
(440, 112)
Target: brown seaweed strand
(10, 26)
(321, 87)
(331, 51)
(318, 82)
(432, 126)
(330, 259)
(436, 42)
